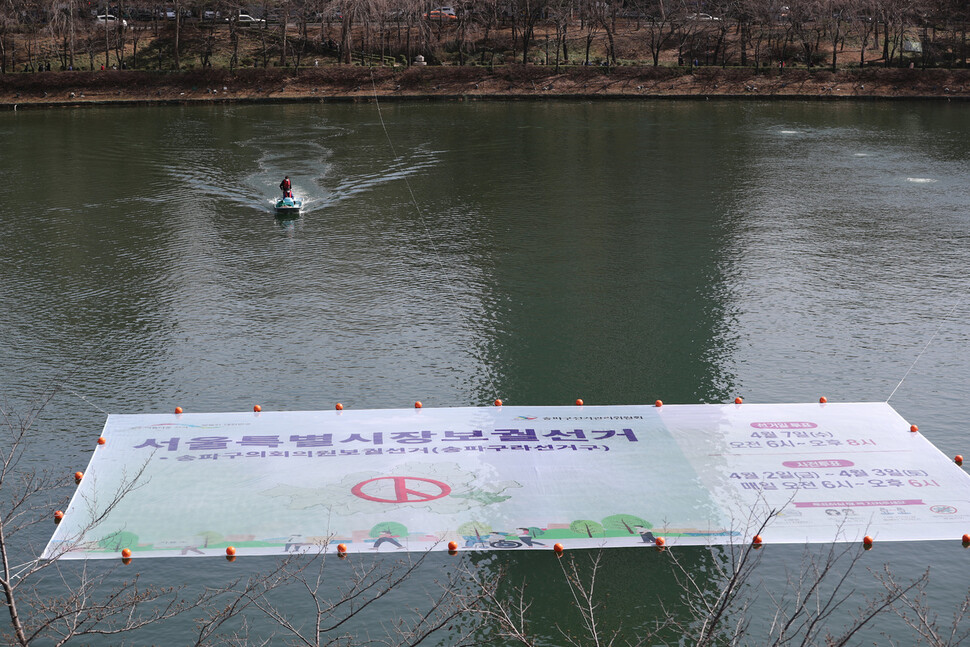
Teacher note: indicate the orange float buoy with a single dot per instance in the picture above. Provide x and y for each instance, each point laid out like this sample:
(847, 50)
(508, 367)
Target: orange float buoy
(966, 540)
(958, 459)
(78, 476)
(822, 400)
(867, 542)
(257, 408)
(452, 546)
(126, 553)
(738, 400)
(58, 515)
(579, 402)
(913, 428)
(659, 541)
(756, 540)
(341, 548)
(498, 402)
(230, 550)
(418, 405)
(178, 409)
(658, 403)
(558, 549)
(101, 440)
(338, 407)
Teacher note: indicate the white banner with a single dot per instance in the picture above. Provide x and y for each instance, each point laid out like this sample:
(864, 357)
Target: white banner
(509, 478)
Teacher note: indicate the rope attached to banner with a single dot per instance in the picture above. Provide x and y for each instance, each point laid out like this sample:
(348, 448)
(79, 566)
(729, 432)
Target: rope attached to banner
(427, 231)
(928, 343)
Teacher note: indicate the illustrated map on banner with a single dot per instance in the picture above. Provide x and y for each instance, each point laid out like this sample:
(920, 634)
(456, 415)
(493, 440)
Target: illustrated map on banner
(509, 478)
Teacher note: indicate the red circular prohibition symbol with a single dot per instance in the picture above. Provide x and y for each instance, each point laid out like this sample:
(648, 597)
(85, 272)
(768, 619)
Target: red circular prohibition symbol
(403, 493)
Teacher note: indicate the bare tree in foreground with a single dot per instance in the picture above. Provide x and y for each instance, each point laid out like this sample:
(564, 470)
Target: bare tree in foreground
(813, 598)
(334, 608)
(50, 601)
(717, 601)
(913, 607)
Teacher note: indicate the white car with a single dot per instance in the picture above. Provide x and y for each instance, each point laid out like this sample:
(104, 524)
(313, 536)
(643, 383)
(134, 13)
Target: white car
(110, 21)
(442, 13)
(705, 17)
(245, 20)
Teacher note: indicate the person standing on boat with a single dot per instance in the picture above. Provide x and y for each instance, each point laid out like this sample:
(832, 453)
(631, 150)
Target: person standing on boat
(285, 186)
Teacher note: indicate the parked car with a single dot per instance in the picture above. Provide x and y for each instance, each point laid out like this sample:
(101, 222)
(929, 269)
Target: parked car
(170, 14)
(319, 16)
(209, 14)
(442, 13)
(913, 46)
(704, 17)
(110, 21)
(245, 20)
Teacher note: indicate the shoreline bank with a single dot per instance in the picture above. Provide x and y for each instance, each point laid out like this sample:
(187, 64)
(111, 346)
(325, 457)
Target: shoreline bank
(361, 84)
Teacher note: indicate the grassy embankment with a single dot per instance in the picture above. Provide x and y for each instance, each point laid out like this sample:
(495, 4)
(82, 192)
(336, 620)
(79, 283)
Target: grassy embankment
(470, 83)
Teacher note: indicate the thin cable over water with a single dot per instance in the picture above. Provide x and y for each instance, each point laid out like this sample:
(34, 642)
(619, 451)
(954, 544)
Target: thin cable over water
(928, 343)
(73, 392)
(427, 231)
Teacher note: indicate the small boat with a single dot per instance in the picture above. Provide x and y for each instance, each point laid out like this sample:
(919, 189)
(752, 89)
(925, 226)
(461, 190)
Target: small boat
(289, 207)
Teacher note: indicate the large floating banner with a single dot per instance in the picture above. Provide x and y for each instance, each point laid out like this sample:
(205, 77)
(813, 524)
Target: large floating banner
(509, 478)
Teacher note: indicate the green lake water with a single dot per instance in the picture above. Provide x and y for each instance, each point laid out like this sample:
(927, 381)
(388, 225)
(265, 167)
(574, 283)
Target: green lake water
(455, 253)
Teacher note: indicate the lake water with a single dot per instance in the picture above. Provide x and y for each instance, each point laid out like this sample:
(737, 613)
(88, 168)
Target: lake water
(454, 253)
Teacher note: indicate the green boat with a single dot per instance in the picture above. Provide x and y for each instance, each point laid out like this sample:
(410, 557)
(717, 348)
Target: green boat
(289, 207)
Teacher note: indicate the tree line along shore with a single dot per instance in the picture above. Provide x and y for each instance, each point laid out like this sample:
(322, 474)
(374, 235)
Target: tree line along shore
(69, 35)
(352, 49)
